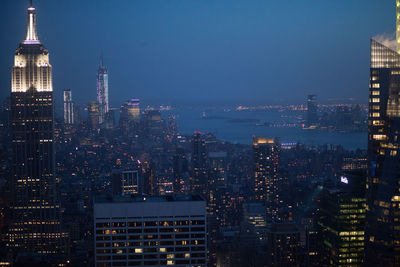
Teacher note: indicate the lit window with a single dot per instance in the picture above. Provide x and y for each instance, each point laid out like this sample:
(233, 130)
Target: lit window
(376, 92)
(138, 250)
(187, 255)
(163, 250)
(376, 85)
(170, 256)
(375, 114)
(378, 123)
(396, 198)
(379, 137)
(375, 100)
(170, 262)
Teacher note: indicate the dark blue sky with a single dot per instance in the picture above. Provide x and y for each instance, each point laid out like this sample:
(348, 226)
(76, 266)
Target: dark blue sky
(212, 51)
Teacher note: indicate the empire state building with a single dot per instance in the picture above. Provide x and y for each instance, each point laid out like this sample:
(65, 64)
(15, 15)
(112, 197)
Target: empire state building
(35, 219)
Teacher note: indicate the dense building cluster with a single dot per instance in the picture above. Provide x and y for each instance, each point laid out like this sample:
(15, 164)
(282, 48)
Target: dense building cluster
(90, 191)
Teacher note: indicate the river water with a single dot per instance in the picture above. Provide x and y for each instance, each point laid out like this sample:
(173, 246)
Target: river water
(239, 126)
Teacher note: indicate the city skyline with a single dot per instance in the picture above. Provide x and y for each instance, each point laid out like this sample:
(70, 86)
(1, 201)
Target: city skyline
(177, 50)
(125, 185)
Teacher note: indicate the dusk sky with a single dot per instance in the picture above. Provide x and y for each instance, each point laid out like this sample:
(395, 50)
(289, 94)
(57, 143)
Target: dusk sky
(208, 52)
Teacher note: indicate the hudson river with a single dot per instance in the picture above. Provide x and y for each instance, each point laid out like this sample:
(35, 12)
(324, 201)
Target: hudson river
(239, 126)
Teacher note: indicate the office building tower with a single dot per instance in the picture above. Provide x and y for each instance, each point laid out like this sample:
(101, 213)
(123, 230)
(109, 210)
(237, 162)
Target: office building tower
(172, 127)
(181, 171)
(284, 247)
(77, 113)
(68, 107)
(102, 92)
(35, 218)
(130, 112)
(217, 187)
(127, 182)
(110, 119)
(93, 114)
(341, 221)
(312, 249)
(312, 110)
(254, 216)
(266, 182)
(217, 200)
(154, 124)
(150, 231)
(199, 164)
(383, 197)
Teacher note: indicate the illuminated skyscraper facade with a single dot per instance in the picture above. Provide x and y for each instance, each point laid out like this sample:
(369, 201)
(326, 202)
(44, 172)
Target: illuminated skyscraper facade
(35, 218)
(130, 112)
(102, 92)
(341, 221)
(68, 107)
(383, 187)
(93, 114)
(266, 159)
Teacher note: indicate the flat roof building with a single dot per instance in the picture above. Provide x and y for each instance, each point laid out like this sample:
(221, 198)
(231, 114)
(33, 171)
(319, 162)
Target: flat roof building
(151, 231)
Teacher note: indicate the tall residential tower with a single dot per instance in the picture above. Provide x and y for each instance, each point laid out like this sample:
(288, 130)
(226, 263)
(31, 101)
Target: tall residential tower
(266, 159)
(35, 218)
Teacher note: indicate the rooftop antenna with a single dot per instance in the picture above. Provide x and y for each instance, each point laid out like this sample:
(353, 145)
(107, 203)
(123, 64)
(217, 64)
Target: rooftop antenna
(101, 59)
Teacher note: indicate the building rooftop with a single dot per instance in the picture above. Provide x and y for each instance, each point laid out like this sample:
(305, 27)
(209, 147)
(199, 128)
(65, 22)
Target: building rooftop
(147, 199)
(145, 206)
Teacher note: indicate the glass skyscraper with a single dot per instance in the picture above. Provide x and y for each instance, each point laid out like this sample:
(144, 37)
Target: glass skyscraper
(102, 91)
(383, 183)
(35, 210)
(341, 221)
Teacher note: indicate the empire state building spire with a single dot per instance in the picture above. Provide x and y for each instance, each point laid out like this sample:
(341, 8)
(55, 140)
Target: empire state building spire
(34, 225)
(31, 34)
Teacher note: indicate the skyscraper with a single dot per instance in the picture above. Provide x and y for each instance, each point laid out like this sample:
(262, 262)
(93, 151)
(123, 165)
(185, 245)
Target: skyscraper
(68, 107)
(341, 221)
(312, 110)
(35, 218)
(93, 114)
(283, 247)
(383, 197)
(129, 112)
(181, 171)
(102, 91)
(266, 159)
(199, 164)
